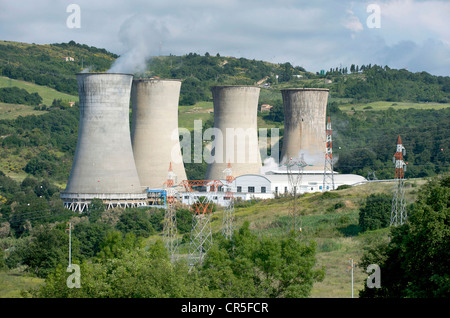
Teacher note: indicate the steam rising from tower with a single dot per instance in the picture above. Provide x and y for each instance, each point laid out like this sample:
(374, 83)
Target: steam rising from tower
(103, 166)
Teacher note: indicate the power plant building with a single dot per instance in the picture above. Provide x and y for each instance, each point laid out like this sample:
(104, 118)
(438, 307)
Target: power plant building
(154, 131)
(103, 165)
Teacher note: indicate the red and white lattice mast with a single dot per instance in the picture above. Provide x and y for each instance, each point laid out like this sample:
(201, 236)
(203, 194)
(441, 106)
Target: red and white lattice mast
(398, 211)
(170, 220)
(328, 173)
(202, 206)
(228, 212)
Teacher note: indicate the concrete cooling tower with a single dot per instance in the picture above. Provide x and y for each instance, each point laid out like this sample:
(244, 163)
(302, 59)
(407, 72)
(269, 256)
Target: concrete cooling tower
(304, 125)
(154, 130)
(235, 117)
(103, 166)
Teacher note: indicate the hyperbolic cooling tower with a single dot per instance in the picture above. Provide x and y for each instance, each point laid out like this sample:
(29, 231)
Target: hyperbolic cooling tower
(103, 166)
(154, 130)
(235, 116)
(304, 125)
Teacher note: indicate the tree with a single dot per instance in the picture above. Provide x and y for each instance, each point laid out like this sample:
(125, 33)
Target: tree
(48, 248)
(414, 263)
(137, 273)
(114, 244)
(2, 259)
(250, 267)
(90, 235)
(136, 221)
(96, 208)
(376, 212)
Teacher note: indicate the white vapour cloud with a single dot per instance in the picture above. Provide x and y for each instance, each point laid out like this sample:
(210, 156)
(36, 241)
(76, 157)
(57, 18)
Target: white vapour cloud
(142, 36)
(269, 164)
(353, 23)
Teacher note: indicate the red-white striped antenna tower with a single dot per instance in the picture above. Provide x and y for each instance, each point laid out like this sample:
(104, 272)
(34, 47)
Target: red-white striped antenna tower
(328, 172)
(170, 220)
(398, 211)
(228, 212)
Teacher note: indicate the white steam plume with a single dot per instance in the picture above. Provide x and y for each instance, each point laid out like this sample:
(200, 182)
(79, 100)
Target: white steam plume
(269, 165)
(142, 36)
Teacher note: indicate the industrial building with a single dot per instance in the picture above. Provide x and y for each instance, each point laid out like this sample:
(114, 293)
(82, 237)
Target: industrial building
(273, 184)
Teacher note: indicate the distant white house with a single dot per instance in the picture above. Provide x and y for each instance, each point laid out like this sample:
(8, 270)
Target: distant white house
(266, 108)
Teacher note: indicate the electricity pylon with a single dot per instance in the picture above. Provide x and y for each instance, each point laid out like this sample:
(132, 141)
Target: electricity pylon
(170, 220)
(228, 211)
(398, 210)
(294, 168)
(202, 208)
(328, 173)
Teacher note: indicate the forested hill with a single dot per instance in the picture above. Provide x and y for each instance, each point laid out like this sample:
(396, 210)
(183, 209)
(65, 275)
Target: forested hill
(55, 65)
(369, 83)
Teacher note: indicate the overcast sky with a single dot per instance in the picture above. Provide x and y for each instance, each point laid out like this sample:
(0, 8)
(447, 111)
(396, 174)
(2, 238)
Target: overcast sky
(315, 34)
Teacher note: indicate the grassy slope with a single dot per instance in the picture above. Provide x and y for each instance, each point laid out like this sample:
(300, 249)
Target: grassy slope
(334, 230)
(47, 93)
(383, 105)
(12, 111)
(13, 282)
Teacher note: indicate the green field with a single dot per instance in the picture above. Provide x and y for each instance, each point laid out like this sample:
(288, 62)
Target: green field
(12, 111)
(200, 111)
(13, 282)
(383, 105)
(48, 94)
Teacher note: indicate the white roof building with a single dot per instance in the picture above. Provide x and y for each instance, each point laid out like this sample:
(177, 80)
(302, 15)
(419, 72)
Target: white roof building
(255, 186)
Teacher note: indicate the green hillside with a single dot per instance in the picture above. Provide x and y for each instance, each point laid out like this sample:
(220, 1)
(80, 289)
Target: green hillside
(48, 94)
(46, 65)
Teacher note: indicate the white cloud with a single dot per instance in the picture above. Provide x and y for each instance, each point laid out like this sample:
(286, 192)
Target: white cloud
(313, 34)
(353, 23)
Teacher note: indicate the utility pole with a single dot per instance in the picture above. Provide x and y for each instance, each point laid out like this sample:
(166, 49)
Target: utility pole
(328, 173)
(398, 210)
(69, 229)
(351, 269)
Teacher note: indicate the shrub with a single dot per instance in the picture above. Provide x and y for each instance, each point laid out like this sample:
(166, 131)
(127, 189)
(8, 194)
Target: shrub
(376, 212)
